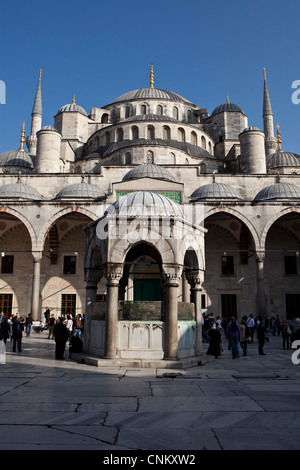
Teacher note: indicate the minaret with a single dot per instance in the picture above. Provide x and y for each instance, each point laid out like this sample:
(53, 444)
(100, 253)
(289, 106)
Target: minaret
(36, 119)
(270, 141)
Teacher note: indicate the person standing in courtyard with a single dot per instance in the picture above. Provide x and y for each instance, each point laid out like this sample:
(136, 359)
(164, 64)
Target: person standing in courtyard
(251, 326)
(17, 332)
(60, 335)
(51, 326)
(215, 341)
(245, 335)
(261, 336)
(4, 329)
(233, 333)
(28, 324)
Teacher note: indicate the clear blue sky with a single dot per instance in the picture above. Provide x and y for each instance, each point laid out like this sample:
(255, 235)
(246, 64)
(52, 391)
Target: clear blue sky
(100, 49)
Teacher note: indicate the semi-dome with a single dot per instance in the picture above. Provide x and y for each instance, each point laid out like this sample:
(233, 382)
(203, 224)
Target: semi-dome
(18, 158)
(215, 191)
(81, 190)
(145, 203)
(278, 191)
(149, 170)
(150, 93)
(227, 107)
(283, 159)
(19, 191)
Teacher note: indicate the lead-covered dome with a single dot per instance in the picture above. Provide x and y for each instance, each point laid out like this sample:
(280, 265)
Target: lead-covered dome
(19, 191)
(150, 93)
(215, 191)
(227, 107)
(72, 108)
(82, 191)
(17, 158)
(284, 191)
(145, 203)
(283, 159)
(149, 170)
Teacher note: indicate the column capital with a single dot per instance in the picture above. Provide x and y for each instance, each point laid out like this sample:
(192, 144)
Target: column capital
(171, 274)
(37, 256)
(195, 279)
(113, 272)
(93, 276)
(260, 255)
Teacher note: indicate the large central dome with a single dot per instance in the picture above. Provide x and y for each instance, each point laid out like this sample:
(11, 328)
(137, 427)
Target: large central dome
(151, 93)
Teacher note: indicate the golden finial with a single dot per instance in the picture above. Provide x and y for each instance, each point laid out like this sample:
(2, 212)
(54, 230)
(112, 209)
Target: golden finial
(278, 133)
(227, 98)
(73, 102)
(151, 76)
(22, 140)
(265, 75)
(40, 76)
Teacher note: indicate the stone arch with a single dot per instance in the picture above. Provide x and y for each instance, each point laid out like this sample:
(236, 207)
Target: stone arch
(241, 218)
(44, 231)
(25, 221)
(271, 221)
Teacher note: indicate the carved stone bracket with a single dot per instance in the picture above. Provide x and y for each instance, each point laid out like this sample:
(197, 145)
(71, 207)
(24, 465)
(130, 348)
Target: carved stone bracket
(260, 256)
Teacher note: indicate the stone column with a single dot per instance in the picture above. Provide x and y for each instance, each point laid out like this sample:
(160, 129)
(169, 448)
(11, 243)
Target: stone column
(260, 258)
(93, 276)
(195, 281)
(113, 276)
(36, 278)
(171, 282)
(186, 293)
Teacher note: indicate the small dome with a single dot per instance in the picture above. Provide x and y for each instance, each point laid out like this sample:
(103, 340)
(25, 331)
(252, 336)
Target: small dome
(19, 191)
(227, 107)
(251, 128)
(18, 158)
(72, 108)
(283, 159)
(215, 191)
(150, 93)
(149, 170)
(81, 190)
(49, 128)
(145, 203)
(278, 191)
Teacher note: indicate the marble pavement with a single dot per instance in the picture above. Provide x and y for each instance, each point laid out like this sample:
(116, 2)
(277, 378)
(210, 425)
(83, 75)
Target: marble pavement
(250, 403)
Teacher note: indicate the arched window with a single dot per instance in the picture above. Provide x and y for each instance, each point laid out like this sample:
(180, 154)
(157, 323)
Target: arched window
(150, 157)
(150, 133)
(181, 135)
(106, 138)
(203, 142)
(175, 112)
(189, 116)
(104, 119)
(202, 168)
(134, 132)
(194, 138)
(128, 158)
(119, 135)
(210, 148)
(159, 110)
(166, 133)
(127, 112)
(143, 109)
(173, 158)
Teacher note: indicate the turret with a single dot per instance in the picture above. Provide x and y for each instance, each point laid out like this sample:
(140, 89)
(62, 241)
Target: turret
(48, 150)
(270, 142)
(253, 155)
(36, 119)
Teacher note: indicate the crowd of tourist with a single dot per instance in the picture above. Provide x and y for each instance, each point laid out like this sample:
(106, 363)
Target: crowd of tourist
(244, 332)
(64, 329)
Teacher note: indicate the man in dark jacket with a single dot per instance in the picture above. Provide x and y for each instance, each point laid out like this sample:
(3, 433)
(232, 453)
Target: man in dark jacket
(17, 329)
(60, 334)
(261, 336)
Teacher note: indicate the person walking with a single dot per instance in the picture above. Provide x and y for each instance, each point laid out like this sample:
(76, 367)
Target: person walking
(286, 335)
(69, 326)
(215, 340)
(245, 335)
(251, 326)
(51, 326)
(4, 329)
(17, 330)
(233, 333)
(78, 326)
(28, 324)
(261, 336)
(60, 335)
